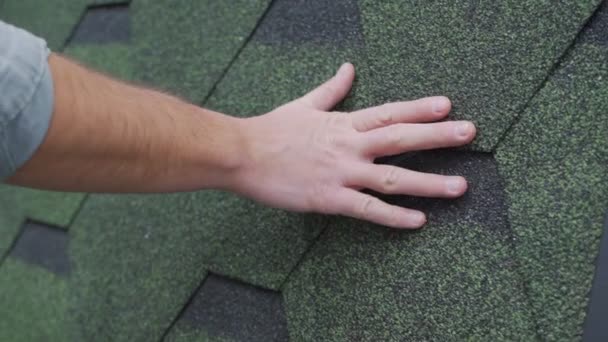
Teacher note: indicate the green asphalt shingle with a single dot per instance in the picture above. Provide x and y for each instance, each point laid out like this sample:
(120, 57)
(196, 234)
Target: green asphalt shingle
(282, 63)
(489, 57)
(457, 279)
(55, 208)
(554, 162)
(227, 310)
(362, 283)
(189, 64)
(264, 77)
(112, 59)
(34, 304)
(11, 219)
(131, 275)
(179, 335)
(51, 20)
(161, 246)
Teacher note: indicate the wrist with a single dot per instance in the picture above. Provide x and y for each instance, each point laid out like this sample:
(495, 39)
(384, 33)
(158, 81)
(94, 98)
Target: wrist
(219, 151)
(238, 159)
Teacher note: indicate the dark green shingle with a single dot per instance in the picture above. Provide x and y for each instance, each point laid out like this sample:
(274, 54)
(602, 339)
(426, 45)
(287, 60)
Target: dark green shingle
(11, 219)
(489, 57)
(449, 282)
(52, 20)
(55, 208)
(160, 247)
(185, 47)
(131, 275)
(34, 304)
(112, 59)
(265, 77)
(457, 279)
(554, 162)
(224, 309)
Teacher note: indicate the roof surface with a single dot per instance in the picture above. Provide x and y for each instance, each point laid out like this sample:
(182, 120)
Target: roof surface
(514, 259)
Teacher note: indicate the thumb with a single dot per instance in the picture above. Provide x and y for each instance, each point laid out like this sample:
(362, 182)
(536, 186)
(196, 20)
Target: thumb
(329, 94)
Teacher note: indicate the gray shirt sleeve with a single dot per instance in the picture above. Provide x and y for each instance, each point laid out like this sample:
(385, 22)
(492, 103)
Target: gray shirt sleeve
(26, 97)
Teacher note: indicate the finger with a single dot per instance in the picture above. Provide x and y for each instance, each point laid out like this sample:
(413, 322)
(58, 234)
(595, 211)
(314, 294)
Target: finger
(368, 208)
(329, 94)
(394, 180)
(400, 138)
(422, 110)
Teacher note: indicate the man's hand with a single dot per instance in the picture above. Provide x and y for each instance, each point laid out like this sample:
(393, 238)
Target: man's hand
(304, 157)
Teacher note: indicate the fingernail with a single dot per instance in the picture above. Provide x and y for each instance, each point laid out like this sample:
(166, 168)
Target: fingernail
(342, 68)
(440, 104)
(454, 185)
(419, 219)
(464, 129)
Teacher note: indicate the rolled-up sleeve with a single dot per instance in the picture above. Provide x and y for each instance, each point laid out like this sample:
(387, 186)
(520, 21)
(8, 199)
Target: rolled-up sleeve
(26, 97)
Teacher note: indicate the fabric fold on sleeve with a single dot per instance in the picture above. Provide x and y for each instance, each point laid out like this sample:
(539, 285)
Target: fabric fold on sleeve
(26, 97)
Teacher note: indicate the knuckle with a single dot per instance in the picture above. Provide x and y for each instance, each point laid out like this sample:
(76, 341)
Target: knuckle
(391, 179)
(336, 135)
(385, 116)
(395, 136)
(392, 217)
(337, 120)
(365, 209)
(319, 199)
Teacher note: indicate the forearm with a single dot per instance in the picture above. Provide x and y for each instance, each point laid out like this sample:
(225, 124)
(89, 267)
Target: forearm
(107, 136)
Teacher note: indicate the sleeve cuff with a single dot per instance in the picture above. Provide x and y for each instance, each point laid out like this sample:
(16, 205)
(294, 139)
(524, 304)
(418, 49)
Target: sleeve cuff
(29, 107)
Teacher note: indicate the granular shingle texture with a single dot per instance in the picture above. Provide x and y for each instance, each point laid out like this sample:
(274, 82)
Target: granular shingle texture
(266, 77)
(431, 288)
(288, 58)
(34, 304)
(554, 162)
(55, 208)
(52, 20)
(489, 57)
(159, 247)
(147, 277)
(43, 246)
(456, 280)
(11, 219)
(226, 309)
(190, 64)
(103, 24)
(293, 22)
(112, 59)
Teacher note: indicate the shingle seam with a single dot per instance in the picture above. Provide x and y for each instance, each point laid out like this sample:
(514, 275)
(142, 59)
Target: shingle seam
(73, 31)
(109, 3)
(237, 54)
(77, 211)
(594, 327)
(303, 256)
(513, 247)
(13, 243)
(558, 63)
(183, 309)
(521, 275)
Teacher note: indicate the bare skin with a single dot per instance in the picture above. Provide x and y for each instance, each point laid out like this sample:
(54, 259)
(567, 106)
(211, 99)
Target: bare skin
(108, 136)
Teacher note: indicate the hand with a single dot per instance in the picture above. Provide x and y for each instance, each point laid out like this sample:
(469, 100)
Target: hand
(303, 157)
